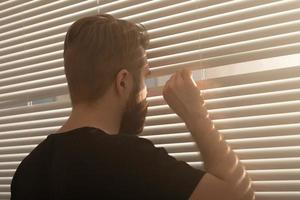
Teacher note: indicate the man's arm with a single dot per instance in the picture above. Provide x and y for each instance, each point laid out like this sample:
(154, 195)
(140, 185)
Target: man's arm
(227, 178)
(221, 162)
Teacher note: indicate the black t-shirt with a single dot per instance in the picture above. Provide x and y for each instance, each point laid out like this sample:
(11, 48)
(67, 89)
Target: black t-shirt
(87, 163)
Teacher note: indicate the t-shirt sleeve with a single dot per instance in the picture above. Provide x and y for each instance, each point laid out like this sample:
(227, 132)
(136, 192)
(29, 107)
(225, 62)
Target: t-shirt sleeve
(170, 178)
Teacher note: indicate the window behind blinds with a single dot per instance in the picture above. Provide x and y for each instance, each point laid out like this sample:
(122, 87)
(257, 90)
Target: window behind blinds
(256, 109)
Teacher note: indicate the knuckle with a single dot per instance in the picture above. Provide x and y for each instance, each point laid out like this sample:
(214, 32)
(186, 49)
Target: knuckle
(171, 85)
(165, 90)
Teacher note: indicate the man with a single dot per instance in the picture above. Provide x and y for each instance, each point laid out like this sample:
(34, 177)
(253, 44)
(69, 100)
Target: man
(97, 154)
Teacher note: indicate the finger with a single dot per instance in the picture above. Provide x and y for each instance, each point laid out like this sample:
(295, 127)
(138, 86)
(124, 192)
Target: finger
(178, 78)
(188, 77)
(171, 79)
(186, 74)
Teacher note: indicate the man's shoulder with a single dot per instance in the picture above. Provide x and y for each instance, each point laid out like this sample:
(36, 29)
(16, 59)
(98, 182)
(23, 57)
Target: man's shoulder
(136, 142)
(137, 139)
(39, 153)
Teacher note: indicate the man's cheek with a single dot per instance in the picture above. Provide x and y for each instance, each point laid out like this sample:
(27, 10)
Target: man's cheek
(143, 93)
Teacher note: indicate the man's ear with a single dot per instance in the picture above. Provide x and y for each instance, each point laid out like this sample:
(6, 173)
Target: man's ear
(123, 83)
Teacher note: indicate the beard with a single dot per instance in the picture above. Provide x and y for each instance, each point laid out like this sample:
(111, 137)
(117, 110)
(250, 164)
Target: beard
(134, 116)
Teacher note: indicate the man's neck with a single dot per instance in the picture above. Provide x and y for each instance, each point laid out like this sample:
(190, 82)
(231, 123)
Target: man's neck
(105, 118)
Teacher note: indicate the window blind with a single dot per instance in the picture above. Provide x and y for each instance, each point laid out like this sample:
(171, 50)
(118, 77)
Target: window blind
(256, 109)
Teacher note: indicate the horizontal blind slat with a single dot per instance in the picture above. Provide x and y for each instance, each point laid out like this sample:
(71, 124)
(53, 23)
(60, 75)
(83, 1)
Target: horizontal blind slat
(32, 77)
(67, 15)
(16, 6)
(274, 130)
(208, 40)
(277, 195)
(258, 115)
(41, 92)
(40, 66)
(252, 110)
(30, 132)
(229, 123)
(8, 4)
(233, 22)
(243, 100)
(187, 63)
(234, 142)
(290, 185)
(34, 8)
(223, 122)
(189, 51)
(270, 163)
(139, 7)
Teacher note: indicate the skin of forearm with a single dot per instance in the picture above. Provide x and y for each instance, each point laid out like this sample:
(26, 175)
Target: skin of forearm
(219, 159)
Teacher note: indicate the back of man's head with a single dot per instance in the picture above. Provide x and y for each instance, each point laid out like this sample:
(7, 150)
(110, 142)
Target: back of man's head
(96, 48)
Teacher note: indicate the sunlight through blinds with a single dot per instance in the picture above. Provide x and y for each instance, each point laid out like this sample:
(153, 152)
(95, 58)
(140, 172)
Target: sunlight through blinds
(256, 109)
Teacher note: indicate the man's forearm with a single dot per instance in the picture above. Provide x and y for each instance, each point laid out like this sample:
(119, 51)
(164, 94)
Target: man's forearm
(219, 159)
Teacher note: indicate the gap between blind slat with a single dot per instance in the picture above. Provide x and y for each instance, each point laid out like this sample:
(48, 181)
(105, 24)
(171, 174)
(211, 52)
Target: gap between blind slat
(233, 10)
(238, 90)
(220, 119)
(8, 4)
(16, 6)
(226, 24)
(178, 54)
(39, 20)
(274, 130)
(195, 64)
(35, 10)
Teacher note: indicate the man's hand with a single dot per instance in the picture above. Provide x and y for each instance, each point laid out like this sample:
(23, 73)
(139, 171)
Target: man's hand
(184, 98)
(226, 172)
